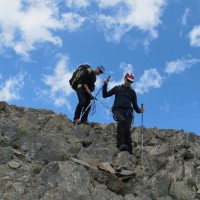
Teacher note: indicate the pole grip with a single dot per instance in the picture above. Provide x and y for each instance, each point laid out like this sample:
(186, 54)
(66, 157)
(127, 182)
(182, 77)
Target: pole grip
(142, 105)
(101, 88)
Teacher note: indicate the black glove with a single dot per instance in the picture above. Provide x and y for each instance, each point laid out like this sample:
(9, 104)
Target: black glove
(93, 98)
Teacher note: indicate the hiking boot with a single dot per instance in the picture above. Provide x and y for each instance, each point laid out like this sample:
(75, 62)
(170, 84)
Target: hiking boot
(76, 121)
(85, 122)
(123, 147)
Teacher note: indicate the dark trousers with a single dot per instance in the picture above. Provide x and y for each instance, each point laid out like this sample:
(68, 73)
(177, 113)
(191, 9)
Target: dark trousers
(124, 119)
(84, 101)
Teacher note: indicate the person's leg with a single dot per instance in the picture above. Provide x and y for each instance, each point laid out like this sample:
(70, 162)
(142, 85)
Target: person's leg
(82, 102)
(86, 109)
(128, 139)
(120, 129)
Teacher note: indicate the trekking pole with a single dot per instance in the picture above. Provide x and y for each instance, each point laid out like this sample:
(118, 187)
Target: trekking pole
(104, 104)
(84, 112)
(89, 104)
(100, 89)
(142, 106)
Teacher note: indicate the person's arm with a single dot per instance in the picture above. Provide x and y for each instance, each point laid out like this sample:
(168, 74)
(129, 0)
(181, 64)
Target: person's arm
(135, 105)
(84, 78)
(87, 89)
(106, 93)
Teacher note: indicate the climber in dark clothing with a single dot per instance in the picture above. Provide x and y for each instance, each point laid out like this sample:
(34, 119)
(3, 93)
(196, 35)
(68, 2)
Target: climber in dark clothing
(84, 93)
(124, 104)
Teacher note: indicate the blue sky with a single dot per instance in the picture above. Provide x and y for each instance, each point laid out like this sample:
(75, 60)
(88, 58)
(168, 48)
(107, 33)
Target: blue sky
(42, 42)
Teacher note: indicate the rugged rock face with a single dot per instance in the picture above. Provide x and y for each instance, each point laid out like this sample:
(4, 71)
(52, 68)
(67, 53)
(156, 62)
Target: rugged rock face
(44, 156)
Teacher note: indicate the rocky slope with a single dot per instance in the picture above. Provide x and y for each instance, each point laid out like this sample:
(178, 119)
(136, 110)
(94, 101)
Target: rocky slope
(43, 156)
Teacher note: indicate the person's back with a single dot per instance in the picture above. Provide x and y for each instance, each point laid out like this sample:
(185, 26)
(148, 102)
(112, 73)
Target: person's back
(88, 77)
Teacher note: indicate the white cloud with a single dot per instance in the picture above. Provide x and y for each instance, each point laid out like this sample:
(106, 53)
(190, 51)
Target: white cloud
(10, 89)
(24, 24)
(127, 68)
(185, 17)
(73, 21)
(59, 101)
(109, 3)
(59, 82)
(77, 3)
(98, 83)
(194, 36)
(180, 65)
(165, 107)
(127, 15)
(150, 79)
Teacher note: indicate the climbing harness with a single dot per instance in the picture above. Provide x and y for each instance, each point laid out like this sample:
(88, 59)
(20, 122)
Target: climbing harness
(129, 113)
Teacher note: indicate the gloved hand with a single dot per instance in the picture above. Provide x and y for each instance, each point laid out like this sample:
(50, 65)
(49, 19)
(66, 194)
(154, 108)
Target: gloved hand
(92, 97)
(141, 110)
(106, 80)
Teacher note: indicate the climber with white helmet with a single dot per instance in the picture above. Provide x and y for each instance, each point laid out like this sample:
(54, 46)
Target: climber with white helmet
(124, 104)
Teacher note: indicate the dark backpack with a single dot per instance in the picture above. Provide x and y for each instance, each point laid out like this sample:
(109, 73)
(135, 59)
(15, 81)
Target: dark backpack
(75, 79)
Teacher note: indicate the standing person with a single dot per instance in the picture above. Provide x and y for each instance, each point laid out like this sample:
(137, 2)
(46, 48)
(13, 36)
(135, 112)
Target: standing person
(84, 93)
(124, 104)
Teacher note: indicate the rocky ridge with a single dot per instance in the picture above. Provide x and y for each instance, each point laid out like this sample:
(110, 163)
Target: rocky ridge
(43, 156)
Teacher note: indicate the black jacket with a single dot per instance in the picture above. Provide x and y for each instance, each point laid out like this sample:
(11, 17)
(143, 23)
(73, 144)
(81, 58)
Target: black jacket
(125, 97)
(88, 77)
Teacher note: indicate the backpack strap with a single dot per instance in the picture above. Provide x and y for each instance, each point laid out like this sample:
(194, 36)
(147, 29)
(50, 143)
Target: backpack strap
(89, 69)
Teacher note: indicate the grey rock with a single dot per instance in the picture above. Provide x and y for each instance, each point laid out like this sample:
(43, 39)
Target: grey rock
(106, 167)
(3, 105)
(14, 164)
(44, 156)
(160, 183)
(6, 154)
(180, 190)
(81, 162)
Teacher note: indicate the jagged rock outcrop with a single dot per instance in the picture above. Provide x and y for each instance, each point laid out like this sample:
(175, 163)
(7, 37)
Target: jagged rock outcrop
(43, 156)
